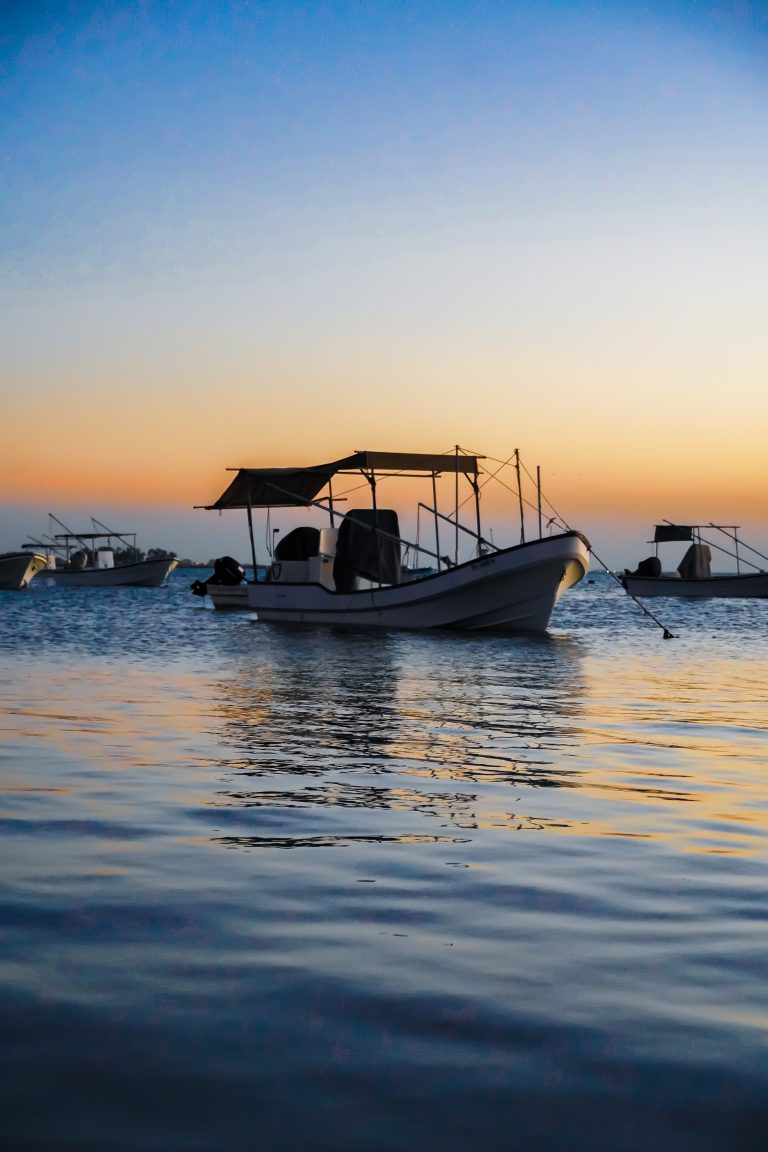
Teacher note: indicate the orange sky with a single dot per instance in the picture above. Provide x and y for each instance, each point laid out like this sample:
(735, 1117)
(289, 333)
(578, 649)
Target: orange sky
(563, 253)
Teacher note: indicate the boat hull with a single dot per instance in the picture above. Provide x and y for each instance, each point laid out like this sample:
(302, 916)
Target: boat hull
(144, 574)
(735, 586)
(18, 568)
(514, 589)
(228, 596)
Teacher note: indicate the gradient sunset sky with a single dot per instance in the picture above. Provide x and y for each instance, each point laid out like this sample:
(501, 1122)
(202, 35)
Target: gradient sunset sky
(274, 233)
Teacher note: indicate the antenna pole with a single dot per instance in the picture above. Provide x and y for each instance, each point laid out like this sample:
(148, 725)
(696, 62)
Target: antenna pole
(456, 498)
(520, 496)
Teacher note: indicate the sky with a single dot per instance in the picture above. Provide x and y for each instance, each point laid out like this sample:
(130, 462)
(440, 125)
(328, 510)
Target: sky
(275, 233)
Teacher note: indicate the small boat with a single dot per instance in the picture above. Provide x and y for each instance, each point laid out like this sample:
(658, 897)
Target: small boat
(18, 568)
(226, 596)
(693, 576)
(89, 560)
(354, 570)
(226, 586)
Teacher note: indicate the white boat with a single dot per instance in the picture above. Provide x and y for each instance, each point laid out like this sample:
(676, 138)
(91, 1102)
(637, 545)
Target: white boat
(87, 560)
(693, 578)
(18, 568)
(226, 596)
(104, 573)
(226, 586)
(352, 570)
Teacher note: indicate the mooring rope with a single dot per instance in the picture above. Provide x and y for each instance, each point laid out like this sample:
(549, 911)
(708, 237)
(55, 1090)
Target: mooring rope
(666, 634)
(562, 523)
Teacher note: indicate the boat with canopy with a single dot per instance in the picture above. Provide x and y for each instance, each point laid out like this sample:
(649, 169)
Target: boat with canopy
(693, 577)
(92, 559)
(358, 569)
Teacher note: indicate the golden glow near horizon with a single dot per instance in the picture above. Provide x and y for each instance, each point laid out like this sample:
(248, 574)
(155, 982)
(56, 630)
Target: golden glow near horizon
(573, 268)
(108, 443)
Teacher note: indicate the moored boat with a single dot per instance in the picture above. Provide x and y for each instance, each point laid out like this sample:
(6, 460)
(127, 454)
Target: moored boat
(18, 568)
(352, 571)
(227, 596)
(226, 586)
(693, 577)
(90, 560)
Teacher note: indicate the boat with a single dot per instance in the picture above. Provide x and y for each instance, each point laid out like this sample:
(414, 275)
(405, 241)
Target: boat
(232, 596)
(358, 569)
(88, 560)
(693, 577)
(18, 568)
(226, 586)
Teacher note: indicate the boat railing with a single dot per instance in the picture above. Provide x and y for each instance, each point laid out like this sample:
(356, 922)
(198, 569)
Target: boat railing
(739, 544)
(481, 540)
(323, 506)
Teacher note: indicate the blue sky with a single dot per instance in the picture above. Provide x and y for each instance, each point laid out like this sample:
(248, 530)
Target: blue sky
(268, 233)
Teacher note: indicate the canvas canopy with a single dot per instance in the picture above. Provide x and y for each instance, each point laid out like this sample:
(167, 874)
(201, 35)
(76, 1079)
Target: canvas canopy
(664, 533)
(90, 535)
(296, 487)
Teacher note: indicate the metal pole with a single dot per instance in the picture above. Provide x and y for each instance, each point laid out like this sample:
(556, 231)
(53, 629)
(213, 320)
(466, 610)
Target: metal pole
(250, 533)
(372, 482)
(476, 488)
(437, 526)
(538, 492)
(520, 496)
(456, 499)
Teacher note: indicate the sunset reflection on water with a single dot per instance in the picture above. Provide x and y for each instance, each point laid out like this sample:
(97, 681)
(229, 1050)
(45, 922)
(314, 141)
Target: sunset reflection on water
(536, 863)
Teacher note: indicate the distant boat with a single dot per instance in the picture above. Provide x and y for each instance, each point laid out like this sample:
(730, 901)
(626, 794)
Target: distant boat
(18, 568)
(87, 560)
(351, 571)
(693, 577)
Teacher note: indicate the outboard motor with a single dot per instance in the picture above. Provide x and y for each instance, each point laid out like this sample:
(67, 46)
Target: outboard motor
(78, 560)
(651, 566)
(226, 570)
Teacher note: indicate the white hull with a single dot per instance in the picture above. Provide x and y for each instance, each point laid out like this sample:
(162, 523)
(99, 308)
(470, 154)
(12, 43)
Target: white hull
(145, 574)
(514, 589)
(18, 568)
(228, 595)
(751, 585)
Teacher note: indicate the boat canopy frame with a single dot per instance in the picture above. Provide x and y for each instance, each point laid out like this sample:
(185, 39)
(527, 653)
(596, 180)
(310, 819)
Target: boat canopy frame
(669, 532)
(300, 487)
(64, 542)
(303, 487)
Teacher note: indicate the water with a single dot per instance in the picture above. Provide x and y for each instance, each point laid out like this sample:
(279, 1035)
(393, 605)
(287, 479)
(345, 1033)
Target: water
(291, 889)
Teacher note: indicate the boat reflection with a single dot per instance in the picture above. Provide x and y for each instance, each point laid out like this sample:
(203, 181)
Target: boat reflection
(327, 730)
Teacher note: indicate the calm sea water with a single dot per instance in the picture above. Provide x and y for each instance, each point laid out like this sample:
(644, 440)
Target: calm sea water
(271, 888)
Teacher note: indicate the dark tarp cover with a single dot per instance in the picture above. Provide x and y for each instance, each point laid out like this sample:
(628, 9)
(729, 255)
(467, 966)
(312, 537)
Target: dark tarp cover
(651, 566)
(363, 551)
(276, 488)
(291, 487)
(299, 544)
(666, 532)
(695, 565)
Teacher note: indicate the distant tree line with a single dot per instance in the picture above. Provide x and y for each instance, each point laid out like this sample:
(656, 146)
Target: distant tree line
(135, 555)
